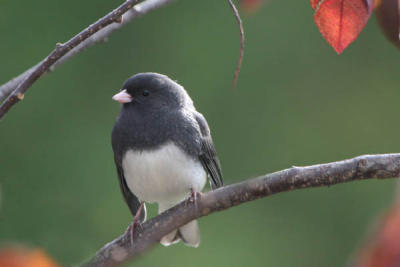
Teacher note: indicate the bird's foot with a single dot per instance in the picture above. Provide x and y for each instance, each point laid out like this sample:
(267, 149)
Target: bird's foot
(193, 197)
(136, 221)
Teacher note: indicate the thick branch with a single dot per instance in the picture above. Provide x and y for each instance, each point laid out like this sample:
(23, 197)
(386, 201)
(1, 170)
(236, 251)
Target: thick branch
(97, 32)
(360, 168)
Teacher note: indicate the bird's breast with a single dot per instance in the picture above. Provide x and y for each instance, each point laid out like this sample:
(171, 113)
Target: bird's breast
(162, 175)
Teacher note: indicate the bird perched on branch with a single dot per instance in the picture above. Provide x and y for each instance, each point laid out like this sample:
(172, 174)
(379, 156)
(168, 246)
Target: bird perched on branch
(163, 150)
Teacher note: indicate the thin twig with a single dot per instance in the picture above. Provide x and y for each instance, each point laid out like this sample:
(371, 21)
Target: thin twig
(95, 33)
(360, 168)
(241, 30)
(7, 88)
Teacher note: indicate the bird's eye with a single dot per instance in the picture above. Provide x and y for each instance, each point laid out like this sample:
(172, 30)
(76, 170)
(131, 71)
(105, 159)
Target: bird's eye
(146, 92)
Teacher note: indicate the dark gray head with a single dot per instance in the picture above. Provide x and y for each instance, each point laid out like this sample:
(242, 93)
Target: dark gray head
(153, 91)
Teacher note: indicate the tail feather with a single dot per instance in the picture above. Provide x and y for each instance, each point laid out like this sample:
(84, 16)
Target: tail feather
(170, 238)
(188, 233)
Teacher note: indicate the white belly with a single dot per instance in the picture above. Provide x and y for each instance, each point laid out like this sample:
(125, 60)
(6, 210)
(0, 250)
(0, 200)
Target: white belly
(165, 175)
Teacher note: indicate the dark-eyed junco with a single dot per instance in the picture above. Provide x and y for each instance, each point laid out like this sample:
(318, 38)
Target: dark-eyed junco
(162, 149)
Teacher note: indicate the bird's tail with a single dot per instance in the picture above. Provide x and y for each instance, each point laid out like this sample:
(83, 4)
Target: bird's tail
(188, 233)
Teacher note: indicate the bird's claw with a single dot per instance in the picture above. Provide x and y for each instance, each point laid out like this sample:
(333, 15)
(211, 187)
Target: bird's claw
(132, 228)
(193, 197)
(136, 222)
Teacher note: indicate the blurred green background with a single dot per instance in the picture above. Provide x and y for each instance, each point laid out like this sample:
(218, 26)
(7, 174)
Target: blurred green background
(297, 103)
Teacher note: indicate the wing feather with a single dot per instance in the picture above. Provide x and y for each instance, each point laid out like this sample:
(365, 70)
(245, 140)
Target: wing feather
(208, 155)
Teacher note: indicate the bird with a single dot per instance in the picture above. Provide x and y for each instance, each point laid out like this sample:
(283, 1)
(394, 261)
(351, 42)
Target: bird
(163, 150)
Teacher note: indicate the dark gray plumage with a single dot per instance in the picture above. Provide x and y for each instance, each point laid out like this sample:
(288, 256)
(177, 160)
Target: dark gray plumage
(157, 133)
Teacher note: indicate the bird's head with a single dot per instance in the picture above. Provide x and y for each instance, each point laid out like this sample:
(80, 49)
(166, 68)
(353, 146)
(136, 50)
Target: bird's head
(153, 90)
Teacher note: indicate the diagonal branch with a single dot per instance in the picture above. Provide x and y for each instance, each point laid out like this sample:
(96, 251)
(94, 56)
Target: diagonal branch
(360, 168)
(95, 33)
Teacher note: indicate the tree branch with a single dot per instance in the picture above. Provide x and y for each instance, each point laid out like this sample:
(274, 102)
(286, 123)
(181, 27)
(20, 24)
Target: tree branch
(95, 33)
(241, 31)
(360, 168)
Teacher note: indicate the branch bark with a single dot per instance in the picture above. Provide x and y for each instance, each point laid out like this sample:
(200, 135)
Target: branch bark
(360, 168)
(95, 33)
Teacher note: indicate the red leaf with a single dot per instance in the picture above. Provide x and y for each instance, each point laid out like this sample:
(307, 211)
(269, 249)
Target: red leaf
(251, 6)
(383, 246)
(314, 3)
(341, 21)
(21, 257)
(388, 14)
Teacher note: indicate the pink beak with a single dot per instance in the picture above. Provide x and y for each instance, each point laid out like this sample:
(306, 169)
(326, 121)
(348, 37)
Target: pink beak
(123, 97)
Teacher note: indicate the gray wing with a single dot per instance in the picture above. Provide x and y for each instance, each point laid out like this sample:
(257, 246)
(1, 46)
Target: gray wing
(208, 155)
(130, 199)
